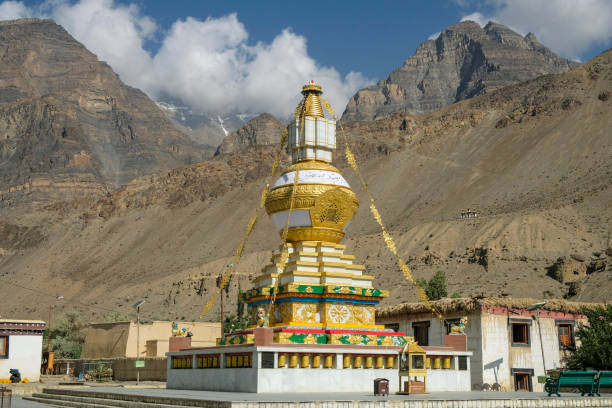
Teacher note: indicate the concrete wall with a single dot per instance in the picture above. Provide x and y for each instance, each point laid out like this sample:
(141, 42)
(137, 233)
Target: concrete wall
(25, 354)
(113, 340)
(495, 366)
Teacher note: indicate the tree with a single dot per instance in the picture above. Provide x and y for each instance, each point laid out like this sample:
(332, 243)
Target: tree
(436, 287)
(595, 349)
(67, 336)
(115, 316)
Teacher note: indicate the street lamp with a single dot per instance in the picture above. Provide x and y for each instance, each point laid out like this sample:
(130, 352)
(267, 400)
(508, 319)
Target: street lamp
(537, 307)
(137, 306)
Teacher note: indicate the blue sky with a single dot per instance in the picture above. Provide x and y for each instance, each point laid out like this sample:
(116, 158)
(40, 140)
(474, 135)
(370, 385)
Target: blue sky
(372, 37)
(253, 56)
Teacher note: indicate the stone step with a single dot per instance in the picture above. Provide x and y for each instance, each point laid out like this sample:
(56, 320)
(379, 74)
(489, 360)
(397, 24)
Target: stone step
(122, 400)
(99, 401)
(62, 403)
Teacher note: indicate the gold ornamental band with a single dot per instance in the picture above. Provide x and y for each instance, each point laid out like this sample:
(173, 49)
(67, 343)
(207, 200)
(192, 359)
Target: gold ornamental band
(315, 234)
(279, 199)
(311, 165)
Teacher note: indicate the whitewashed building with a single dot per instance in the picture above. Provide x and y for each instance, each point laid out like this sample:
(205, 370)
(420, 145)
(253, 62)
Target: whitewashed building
(21, 347)
(502, 334)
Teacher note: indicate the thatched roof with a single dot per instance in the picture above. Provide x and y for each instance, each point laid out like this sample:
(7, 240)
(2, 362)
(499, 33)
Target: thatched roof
(449, 305)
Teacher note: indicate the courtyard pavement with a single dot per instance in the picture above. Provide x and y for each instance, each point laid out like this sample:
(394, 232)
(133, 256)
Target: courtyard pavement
(327, 396)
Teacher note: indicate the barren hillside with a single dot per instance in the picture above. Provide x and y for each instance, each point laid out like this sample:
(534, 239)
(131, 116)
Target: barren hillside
(533, 159)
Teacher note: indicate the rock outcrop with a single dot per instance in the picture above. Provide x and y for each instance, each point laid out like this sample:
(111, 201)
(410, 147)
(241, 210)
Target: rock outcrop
(262, 130)
(66, 117)
(464, 61)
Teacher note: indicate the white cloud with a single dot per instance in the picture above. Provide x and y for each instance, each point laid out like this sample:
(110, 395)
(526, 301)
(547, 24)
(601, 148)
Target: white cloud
(567, 27)
(434, 35)
(477, 18)
(208, 64)
(12, 10)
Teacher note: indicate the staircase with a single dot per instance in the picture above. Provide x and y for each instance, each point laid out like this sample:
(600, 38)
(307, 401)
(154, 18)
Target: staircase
(104, 399)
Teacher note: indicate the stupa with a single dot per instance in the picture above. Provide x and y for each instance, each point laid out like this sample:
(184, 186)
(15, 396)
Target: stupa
(312, 307)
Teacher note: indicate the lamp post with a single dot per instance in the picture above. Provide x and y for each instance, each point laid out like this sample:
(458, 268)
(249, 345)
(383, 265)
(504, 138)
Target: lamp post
(537, 307)
(137, 306)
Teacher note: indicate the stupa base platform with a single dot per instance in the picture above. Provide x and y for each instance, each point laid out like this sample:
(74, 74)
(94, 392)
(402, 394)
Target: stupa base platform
(303, 364)
(282, 368)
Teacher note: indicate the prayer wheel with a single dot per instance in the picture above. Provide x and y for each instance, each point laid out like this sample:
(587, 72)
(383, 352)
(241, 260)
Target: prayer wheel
(447, 363)
(240, 361)
(293, 361)
(316, 361)
(379, 362)
(305, 361)
(357, 362)
(368, 362)
(428, 362)
(282, 360)
(329, 361)
(437, 363)
(346, 361)
(215, 361)
(390, 362)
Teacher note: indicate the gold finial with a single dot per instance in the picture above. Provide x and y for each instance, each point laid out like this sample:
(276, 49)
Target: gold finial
(312, 104)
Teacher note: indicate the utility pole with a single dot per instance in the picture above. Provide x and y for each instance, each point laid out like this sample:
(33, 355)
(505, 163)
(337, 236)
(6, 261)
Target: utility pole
(537, 307)
(137, 306)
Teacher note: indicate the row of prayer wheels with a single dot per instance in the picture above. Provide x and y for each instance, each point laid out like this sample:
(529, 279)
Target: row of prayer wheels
(238, 361)
(348, 361)
(438, 362)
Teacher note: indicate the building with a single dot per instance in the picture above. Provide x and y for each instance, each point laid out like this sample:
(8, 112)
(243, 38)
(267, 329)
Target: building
(114, 340)
(21, 347)
(511, 346)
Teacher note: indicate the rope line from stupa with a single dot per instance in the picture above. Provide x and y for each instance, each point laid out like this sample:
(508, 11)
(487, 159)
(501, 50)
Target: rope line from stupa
(227, 274)
(389, 241)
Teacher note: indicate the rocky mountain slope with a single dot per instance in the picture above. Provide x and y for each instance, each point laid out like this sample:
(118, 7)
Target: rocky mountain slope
(68, 125)
(464, 61)
(534, 160)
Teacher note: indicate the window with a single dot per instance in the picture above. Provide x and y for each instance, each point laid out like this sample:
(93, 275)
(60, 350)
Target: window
(522, 379)
(421, 333)
(520, 333)
(566, 335)
(3, 347)
(521, 382)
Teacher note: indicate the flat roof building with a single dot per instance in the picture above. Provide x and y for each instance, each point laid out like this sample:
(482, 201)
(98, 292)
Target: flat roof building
(511, 346)
(21, 347)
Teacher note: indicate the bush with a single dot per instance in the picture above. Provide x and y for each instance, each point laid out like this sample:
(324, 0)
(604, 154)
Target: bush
(436, 287)
(67, 336)
(595, 350)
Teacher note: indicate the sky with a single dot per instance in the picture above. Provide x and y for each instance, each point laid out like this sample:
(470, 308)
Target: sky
(253, 56)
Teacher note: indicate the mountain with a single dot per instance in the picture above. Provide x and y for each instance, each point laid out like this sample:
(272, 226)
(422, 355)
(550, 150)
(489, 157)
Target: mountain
(203, 128)
(464, 61)
(532, 159)
(68, 125)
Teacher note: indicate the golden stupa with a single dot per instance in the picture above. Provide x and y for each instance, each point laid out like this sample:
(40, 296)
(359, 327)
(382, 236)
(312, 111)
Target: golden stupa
(321, 295)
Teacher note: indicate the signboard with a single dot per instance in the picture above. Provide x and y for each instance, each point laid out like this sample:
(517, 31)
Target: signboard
(267, 359)
(139, 363)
